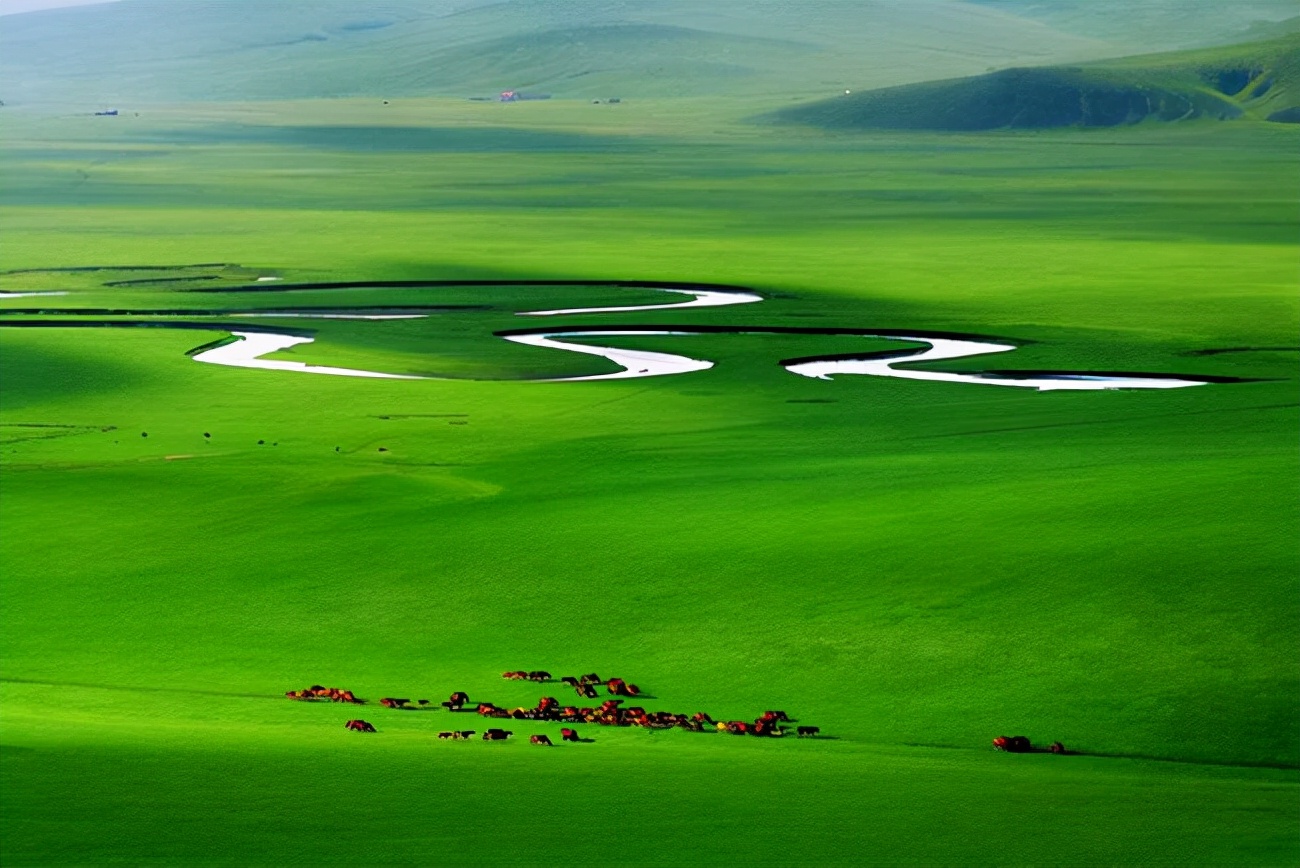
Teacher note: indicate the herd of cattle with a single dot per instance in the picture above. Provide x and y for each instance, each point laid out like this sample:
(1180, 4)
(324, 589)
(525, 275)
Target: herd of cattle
(611, 712)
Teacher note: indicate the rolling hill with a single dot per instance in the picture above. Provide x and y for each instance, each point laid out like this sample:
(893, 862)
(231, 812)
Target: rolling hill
(143, 51)
(1258, 80)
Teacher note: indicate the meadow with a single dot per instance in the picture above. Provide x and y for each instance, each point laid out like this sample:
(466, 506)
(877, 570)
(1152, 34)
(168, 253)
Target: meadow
(914, 567)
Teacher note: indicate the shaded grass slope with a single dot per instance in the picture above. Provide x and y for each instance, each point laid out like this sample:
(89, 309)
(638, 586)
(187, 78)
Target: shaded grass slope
(1221, 84)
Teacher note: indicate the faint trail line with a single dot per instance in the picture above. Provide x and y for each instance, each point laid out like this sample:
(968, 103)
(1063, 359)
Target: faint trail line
(1135, 756)
(185, 690)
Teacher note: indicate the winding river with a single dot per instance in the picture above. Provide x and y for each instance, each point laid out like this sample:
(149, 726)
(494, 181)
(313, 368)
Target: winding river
(254, 342)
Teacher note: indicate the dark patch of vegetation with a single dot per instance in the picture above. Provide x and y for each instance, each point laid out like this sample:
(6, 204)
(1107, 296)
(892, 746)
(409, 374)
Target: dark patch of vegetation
(1286, 115)
(1230, 81)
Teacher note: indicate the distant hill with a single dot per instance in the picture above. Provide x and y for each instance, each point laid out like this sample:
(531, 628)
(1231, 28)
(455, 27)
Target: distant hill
(1260, 80)
(142, 51)
(1158, 25)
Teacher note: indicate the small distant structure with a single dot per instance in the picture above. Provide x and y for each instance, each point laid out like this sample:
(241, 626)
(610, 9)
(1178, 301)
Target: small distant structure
(613, 100)
(520, 96)
(106, 113)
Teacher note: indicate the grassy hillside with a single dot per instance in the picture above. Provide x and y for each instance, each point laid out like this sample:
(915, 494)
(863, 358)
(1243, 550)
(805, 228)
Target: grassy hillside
(1256, 79)
(145, 51)
(1157, 24)
(914, 567)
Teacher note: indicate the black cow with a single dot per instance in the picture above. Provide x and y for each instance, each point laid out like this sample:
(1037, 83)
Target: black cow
(497, 735)
(1012, 744)
(540, 739)
(807, 730)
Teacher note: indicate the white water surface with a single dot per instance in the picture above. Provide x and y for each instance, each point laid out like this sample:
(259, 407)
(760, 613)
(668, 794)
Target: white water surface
(28, 294)
(375, 316)
(950, 348)
(635, 363)
(245, 353)
(699, 298)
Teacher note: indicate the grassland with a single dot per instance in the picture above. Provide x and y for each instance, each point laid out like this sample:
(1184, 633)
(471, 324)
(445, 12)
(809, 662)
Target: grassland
(914, 567)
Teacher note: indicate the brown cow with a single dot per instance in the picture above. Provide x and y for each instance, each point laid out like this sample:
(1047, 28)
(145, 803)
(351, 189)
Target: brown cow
(516, 675)
(540, 739)
(1010, 744)
(569, 735)
(1056, 747)
(359, 726)
(390, 702)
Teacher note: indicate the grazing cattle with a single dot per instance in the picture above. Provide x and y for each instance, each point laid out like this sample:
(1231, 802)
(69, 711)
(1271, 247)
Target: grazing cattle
(486, 708)
(1012, 744)
(422, 701)
(720, 726)
(568, 735)
(701, 717)
(333, 694)
(590, 678)
(446, 735)
(588, 691)
(517, 675)
(777, 715)
(389, 702)
(539, 675)
(807, 730)
(459, 696)
(737, 727)
(547, 702)
(540, 739)
(464, 734)
(1056, 747)
(359, 726)
(569, 680)
(497, 735)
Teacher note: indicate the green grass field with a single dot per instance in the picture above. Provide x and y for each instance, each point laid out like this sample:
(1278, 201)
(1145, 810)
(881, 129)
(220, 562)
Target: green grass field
(914, 567)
